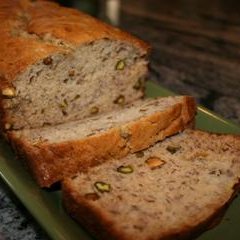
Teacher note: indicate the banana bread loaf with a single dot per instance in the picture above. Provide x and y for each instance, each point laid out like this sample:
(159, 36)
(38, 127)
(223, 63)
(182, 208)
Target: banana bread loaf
(55, 152)
(58, 64)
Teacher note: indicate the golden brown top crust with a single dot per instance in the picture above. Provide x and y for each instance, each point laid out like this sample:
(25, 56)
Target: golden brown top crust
(31, 30)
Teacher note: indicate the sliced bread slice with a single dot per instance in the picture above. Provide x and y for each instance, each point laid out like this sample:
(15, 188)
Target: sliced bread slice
(55, 152)
(173, 190)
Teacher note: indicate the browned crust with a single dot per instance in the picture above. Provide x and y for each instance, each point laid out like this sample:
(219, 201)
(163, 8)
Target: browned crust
(50, 163)
(91, 218)
(43, 22)
(96, 221)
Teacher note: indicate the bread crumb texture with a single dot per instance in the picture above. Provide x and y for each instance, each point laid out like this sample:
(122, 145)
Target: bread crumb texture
(172, 189)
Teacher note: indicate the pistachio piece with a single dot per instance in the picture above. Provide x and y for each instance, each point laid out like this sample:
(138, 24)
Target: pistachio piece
(120, 65)
(63, 107)
(139, 154)
(119, 100)
(173, 149)
(94, 110)
(71, 72)
(8, 92)
(77, 97)
(102, 187)
(154, 162)
(125, 169)
(92, 196)
(47, 61)
(64, 104)
(7, 126)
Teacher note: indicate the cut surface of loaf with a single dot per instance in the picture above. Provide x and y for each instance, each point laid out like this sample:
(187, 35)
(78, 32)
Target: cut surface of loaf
(173, 190)
(58, 64)
(58, 151)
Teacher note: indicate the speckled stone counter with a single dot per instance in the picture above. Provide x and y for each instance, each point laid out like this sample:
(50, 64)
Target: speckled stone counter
(195, 48)
(15, 221)
(196, 51)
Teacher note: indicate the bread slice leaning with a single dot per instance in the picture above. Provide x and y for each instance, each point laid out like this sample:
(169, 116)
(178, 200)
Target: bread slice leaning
(173, 190)
(53, 153)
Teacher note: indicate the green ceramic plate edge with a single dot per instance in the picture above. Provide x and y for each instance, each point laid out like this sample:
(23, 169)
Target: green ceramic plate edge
(46, 206)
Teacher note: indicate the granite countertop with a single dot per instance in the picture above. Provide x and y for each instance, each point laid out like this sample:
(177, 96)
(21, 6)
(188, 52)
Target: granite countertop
(196, 48)
(196, 51)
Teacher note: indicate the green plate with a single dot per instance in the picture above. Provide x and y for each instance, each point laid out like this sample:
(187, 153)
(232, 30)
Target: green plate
(46, 207)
